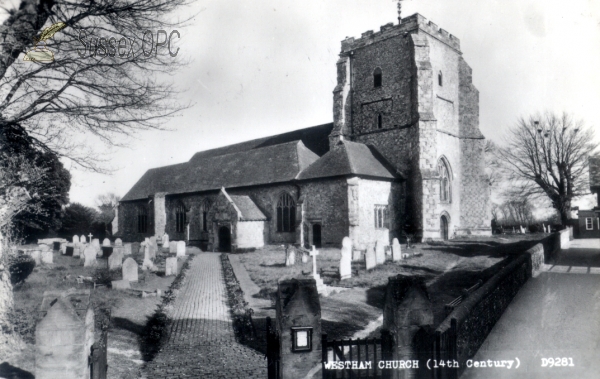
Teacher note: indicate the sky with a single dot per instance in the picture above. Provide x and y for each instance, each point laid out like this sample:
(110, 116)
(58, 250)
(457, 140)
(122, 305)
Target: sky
(266, 67)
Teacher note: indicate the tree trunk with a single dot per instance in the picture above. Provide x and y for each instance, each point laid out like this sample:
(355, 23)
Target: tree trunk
(10, 343)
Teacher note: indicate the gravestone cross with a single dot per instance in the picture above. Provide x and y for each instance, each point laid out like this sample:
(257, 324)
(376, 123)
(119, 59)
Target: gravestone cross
(90, 235)
(320, 285)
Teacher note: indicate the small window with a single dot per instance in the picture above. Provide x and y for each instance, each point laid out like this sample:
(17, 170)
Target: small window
(589, 223)
(180, 218)
(440, 79)
(381, 216)
(377, 77)
(379, 121)
(142, 213)
(286, 213)
(445, 183)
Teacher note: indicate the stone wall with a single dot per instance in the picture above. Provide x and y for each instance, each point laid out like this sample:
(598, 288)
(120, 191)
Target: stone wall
(371, 193)
(128, 221)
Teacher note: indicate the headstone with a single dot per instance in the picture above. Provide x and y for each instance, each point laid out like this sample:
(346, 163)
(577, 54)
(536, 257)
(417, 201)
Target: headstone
(37, 256)
(130, 270)
(180, 248)
(165, 240)
(396, 250)
(173, 247)
(346, 259)
(115, 260)
(357, 255)
(127, 249)
(89, 254)
(148, 265)
(75, 239)
(120, 284)
(544, 227)
(304, 257)
(379, 253)
(153, 240)
(106, 242)
(151, 252)
(370, 258)
(290, 256)
(47, 257)
(171, 266)
(320, 285)
(522, 229)
(82, 239)
(118, 242)
(76, 250)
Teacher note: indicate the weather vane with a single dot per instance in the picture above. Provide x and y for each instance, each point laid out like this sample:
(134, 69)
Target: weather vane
(43, 54)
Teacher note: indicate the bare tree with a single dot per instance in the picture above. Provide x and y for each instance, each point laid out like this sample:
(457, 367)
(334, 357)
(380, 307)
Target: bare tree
(546, 156)
(103, 81)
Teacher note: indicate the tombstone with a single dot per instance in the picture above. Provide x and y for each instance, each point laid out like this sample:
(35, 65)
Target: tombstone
(118, 242)
(150, 250)
(180, 248)
(37, 256)
(396, 250)
(407, 310)
(82, 239)
(89, 256)
(298, 318)
(148, 265)
(106, 242)
(96, 243)
(63, 340)
(320, 285)
(153, 240)
(165, 241)
(290, 256)
(120, 284)
(379, 253)
(549, 230)
(127, 249)
(544, 227)
(115, 260)
(75, 239)
(304, 257)
(130, 270)
(173, 247)
(357, 255)
(346, 259)
(47, 257)
(76, 251)
(370, 259)
(171, 266)
(522, 229)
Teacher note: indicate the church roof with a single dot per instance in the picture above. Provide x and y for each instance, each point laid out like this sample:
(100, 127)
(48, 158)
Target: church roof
(350, 158)
(265, 165)
(594, 172)
(248, 208)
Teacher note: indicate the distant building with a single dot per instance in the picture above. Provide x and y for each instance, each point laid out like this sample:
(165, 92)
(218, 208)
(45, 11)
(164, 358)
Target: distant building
(588, 222)
(404, 153)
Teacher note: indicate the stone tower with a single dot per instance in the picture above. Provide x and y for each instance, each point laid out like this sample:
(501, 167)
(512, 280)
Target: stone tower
(407, 91)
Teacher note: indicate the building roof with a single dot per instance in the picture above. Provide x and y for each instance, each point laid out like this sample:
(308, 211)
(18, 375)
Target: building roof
(248, 209)
(594, 163)
(264, 165)
(350, 158)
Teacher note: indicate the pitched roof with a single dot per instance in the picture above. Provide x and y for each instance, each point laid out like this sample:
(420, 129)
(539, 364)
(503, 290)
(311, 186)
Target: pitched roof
(594, 163)
(350, 158)
(248, 208)
(265, 165)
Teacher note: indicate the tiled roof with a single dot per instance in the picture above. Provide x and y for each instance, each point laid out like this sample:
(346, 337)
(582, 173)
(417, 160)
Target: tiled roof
(265, 165)
(248, 208)
(594, 172)
(350, 158)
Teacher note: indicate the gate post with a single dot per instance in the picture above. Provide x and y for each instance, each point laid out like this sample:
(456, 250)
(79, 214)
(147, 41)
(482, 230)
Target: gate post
(272, 351)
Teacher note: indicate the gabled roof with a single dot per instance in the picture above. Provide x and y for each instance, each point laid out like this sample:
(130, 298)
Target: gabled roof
(265, 165)
(350, 158)
(594, 163)
(247, 208)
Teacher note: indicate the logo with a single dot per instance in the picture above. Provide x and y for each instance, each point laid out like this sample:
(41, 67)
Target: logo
(43, 54)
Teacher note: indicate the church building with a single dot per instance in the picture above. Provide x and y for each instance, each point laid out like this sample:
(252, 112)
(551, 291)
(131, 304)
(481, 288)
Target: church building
(403, 157)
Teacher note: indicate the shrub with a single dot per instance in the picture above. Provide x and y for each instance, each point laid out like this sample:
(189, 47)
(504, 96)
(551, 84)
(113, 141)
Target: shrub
(20, 267)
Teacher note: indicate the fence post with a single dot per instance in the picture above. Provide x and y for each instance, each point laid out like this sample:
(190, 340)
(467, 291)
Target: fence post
(324, 355)
(387, 351)
(272, 352)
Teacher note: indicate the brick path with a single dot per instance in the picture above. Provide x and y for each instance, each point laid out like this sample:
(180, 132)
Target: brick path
(201, 343)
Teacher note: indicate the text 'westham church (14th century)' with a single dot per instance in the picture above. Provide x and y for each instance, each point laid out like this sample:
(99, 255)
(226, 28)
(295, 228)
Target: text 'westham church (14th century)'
(404, 154)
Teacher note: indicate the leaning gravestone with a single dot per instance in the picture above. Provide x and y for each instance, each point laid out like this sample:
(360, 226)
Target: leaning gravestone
(173, 247)
(47, 257)
(370, 259)
(180, 248)
(171, 266)
(89, 254)
(379, 253)
(346, 259)
(115, 260)
(396, 250)
(290, 258)
(130, 270)
(118, 242)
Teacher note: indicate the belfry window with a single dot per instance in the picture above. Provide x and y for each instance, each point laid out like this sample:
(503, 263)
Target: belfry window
(379, 121)
(377, 77)
(440, 79)
(142, 219)
(180, 218)
(445, 181)
(286, 213)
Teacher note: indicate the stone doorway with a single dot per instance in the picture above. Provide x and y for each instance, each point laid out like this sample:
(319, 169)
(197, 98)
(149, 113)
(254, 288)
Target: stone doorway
(316, 232)
(224, 239)
(444, 228)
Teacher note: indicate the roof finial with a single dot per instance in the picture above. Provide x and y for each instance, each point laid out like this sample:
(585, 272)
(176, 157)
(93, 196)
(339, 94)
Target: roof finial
(399, 10)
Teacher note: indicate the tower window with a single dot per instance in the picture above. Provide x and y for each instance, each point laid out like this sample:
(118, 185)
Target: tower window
(440, 79)
(379, 121)
(445, 181)
(286, 213)
(377, 77)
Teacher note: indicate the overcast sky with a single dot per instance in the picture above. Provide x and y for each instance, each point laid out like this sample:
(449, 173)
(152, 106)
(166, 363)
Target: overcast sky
(265, 67)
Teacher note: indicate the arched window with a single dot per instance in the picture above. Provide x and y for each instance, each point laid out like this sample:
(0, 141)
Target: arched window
(379, 121)
(142, 219)
(286, 213)
(440, 79)
(204, 215)
(445, 181)
(377, 77)
(180, 218)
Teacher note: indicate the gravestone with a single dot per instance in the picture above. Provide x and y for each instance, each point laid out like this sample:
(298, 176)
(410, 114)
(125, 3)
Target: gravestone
(298, 318)
(171, 266)
(75, 239)
(106, 242)
(89, 256)
(370, 259)
(357, 255)
(173, 247)
(82, 239)
(379, 253)
(37, 256)
(118, 242)
(130, 270)
(396, 250)
(165, 241)
(290, 256)
(96, 244)
(320, 285)
(120, 284)
(148, 264)
(77, 251)
(180, 248)
(47, 257)
(151, 251)
(153, 240)
(304, 257)
(115, 260)
(127, 249)
(522, 229)
(346, 259)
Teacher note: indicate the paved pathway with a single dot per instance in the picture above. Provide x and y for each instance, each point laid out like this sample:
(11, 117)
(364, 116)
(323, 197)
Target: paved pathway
(553, 316)
(201, 343)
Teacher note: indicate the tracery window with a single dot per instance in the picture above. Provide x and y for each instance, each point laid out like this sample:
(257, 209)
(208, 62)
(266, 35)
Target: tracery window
(445, 181)
(142, 219)
(203, 215)
(180, 218)
(381, 216)
(286, 213)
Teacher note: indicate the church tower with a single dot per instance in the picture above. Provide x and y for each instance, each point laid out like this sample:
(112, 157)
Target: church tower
(407, 91)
